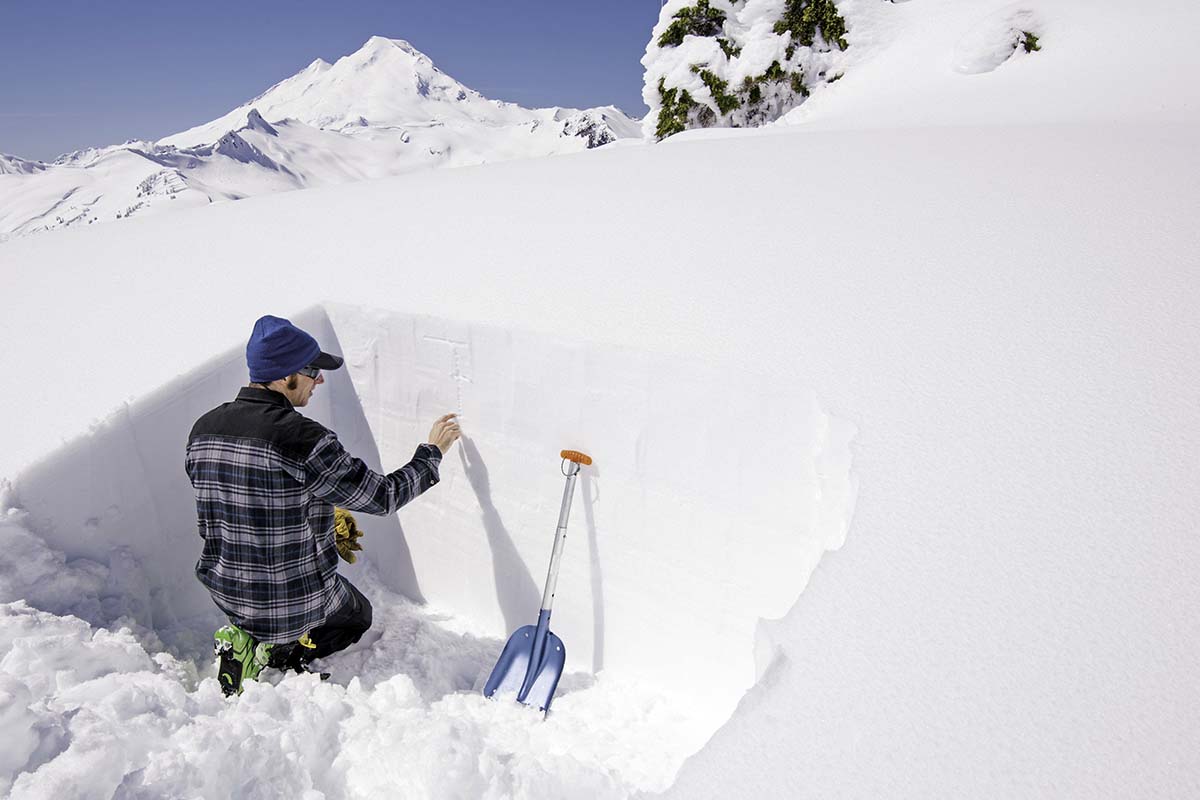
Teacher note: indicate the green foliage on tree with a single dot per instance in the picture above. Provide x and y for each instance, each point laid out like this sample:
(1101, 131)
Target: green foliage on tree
(1029, 41)
(798, 84)
(730, 49)
(774, 73)
(725, 101)
(676, 104)
(697, 20)
(752, 90)
(757, 97)
(803, 18)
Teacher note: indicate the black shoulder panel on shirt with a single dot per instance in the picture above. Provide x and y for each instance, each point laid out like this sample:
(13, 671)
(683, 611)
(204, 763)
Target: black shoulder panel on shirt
(289, 430)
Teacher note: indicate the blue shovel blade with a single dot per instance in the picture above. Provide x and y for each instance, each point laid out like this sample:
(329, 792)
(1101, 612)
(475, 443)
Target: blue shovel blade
(509, 673)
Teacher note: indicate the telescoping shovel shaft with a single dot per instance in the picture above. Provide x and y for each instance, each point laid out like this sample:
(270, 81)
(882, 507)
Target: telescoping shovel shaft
(533, 658)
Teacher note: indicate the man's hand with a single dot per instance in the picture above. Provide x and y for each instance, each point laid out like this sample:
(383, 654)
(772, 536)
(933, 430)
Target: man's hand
(444, 433)
(346, 535)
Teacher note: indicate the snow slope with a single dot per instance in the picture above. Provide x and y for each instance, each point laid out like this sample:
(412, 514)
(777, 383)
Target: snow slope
(382, 110)
(997, 319)
(954, 64)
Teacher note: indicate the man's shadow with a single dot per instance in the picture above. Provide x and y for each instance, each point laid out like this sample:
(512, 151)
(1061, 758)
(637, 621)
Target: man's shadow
(515, 589)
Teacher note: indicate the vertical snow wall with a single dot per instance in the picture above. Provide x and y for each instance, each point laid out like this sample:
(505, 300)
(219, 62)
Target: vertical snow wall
(713, 496)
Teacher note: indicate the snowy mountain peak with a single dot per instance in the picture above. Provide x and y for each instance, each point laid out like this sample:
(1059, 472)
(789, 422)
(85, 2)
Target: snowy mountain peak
(394, 54)
(382, 43)
(386, 82)
(391, 64)
(255, 122)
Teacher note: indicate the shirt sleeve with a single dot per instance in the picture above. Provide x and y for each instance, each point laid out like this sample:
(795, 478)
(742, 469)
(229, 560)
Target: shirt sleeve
(333, 474)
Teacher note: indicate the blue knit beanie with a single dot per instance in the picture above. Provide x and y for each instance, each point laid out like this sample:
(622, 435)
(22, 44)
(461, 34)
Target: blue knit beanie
(277, 348)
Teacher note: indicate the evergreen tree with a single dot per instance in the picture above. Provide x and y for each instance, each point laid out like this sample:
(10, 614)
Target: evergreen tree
(712, 62)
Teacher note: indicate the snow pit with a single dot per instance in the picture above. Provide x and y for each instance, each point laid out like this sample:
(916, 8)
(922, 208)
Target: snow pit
(689, 530)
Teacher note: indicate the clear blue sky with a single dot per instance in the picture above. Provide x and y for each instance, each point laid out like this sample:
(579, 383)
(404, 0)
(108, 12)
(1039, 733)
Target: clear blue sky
(75, 74)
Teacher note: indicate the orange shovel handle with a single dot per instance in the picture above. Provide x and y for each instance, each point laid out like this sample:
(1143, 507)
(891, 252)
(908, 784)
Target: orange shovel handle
(577, 457)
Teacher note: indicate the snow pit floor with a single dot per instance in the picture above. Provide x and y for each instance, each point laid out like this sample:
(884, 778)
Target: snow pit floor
(94, 713)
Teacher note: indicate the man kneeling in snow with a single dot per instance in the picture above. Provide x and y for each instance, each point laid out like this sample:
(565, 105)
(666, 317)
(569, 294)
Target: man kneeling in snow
(266, 481)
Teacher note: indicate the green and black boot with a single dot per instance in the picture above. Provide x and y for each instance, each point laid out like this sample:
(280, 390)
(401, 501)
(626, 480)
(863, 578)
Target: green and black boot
(295, 657)
(241, 658)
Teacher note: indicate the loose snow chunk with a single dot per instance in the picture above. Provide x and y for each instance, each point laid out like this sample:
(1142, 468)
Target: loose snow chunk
(51, 653)
(87, 713)
(19, 724)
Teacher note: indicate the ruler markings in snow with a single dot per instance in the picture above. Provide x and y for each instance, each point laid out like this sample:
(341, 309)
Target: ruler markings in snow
(456, 374)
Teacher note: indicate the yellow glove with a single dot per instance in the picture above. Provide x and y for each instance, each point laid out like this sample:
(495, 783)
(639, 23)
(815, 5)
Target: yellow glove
(346, 535)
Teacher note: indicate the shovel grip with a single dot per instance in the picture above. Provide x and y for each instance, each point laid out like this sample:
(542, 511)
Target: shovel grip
(577, 457)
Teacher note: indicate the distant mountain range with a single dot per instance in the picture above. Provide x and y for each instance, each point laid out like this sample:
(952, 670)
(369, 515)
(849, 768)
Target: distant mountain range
(383, 110)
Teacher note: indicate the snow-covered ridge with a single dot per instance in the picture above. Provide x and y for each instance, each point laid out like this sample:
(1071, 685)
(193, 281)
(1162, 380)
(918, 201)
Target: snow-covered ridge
(11, 165)
(383, 110)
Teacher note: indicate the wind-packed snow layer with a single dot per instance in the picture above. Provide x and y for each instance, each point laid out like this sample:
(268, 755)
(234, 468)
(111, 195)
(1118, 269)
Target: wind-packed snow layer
(653, 516)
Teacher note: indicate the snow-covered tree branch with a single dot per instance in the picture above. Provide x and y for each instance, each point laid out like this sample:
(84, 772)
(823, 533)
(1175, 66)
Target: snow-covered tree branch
(737, 63)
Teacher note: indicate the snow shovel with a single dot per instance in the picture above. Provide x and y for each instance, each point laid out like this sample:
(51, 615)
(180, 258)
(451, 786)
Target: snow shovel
(532, 660)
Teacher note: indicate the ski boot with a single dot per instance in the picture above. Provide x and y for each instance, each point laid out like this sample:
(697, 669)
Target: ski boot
(295, 657)
(241, 658)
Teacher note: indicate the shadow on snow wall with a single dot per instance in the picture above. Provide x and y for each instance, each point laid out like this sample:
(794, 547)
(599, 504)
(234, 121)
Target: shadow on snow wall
(713, 496)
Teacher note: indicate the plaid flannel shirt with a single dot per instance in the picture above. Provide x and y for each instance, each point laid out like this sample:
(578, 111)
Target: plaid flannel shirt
(267, 479)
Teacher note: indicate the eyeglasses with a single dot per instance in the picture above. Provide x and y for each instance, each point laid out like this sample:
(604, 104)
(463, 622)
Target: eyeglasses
(310, 372)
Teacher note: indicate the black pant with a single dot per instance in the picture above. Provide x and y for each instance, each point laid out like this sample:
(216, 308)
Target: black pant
(343, 627)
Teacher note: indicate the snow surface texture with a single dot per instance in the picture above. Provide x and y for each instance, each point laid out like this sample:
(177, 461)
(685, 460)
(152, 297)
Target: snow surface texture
(991, 276)
(383, 110)
(997, 39)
